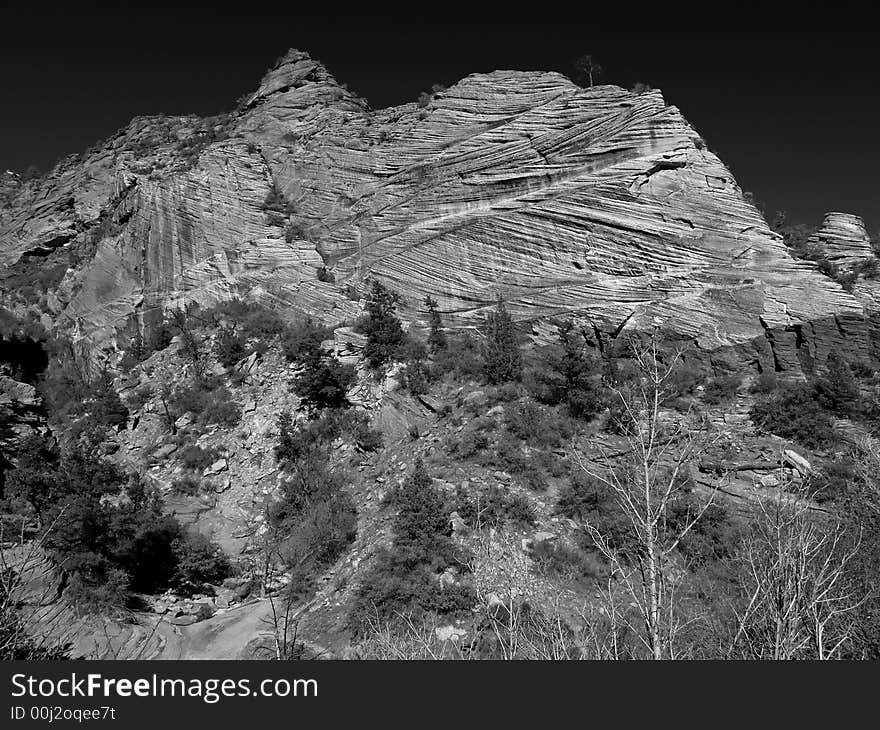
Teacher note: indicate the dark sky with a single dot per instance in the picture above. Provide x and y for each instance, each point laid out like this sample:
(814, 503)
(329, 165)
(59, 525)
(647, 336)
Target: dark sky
(788, 98)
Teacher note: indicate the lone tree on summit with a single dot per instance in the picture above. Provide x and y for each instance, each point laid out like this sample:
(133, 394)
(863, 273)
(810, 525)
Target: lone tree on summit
(588, 68)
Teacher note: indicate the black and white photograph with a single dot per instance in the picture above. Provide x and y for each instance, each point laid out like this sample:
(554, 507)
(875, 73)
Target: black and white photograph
(546, 337)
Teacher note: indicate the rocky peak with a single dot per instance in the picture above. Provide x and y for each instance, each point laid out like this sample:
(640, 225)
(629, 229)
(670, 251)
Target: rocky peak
(297, 76)
(844, 240)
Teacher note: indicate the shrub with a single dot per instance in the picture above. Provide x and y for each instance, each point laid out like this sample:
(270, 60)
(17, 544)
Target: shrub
(381, 326)
(494, 507)
(712, 538)
(325, 275)
(832, 483)
(469, 444)
(765, 383)
(17, 643)
(505, 393)
(262, 322)
(191, 344)
(557, 560)
(301, 342)
(461, 356)
(590, 502)
(140, 397)
(682, 383)
(721, 389)
(421, 524)
(321, 533)
(791, 411)
(838, 391)
(274, 200)
(502, 358)
(196, 458)
(229, 347)
(108, 597)
(367, 439)
(796, 237)
(508, 455)
(186, 486)
(296, 231)
(295, 443)
(520, 511)
(416, 377)
(198, 561)
(572, 376)
(209, 400)
(249, 320)
(536, 425)
(535, 478)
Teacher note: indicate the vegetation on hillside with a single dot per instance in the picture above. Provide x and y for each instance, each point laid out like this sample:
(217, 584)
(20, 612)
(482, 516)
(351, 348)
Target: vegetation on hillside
(677, 570)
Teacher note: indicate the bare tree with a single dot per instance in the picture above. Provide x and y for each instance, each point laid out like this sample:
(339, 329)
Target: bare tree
(795, 600)
(588, 67)
(284, 628)
(644, 487)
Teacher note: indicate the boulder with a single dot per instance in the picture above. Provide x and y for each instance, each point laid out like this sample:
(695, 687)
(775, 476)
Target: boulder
(459, 526)
(13, 391)
(797, 462)
(450, 633)
(769, 481)
(217, 467)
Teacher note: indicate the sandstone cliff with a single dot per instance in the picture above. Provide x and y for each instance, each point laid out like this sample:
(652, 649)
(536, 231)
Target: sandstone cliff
(599, 203)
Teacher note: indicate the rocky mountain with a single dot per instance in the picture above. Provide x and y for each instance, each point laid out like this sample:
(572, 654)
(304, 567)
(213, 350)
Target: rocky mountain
(597, 204)
(600, 203)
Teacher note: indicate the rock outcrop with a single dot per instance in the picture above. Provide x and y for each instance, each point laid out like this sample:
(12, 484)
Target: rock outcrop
(844, 240)
(598, 204)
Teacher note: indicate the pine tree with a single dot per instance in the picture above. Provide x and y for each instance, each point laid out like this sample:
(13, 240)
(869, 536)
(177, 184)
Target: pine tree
(421, 523)
(324, 382)
(572, 376)
(382, 327)
(501, 352)
(437, 337)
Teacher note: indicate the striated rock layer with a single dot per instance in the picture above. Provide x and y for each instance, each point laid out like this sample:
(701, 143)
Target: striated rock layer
(843, 240)
(599, 204)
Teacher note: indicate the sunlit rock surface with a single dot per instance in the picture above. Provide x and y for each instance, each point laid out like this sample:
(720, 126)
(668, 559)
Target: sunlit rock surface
(844, 240)
(599, 204)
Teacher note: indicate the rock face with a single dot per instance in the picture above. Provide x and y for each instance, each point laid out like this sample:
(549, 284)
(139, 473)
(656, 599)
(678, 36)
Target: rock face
(599, 204)
(844, 240)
